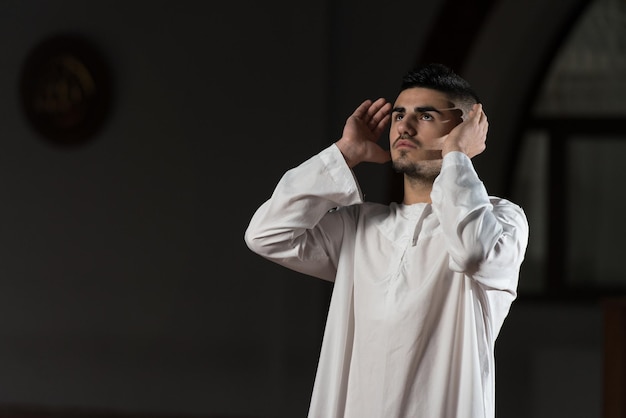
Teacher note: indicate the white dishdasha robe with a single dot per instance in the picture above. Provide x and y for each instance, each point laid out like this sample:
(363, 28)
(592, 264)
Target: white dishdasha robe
(420, 291)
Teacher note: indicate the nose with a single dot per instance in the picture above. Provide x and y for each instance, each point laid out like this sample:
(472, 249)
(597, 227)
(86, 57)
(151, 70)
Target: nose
(406, 126)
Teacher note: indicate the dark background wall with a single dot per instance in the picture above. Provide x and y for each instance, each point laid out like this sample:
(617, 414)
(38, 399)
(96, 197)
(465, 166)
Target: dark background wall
(125, 284)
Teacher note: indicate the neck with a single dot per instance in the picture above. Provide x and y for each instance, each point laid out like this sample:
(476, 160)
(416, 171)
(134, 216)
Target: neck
(416, 190)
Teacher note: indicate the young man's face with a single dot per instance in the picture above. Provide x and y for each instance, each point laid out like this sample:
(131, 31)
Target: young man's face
(419, 121)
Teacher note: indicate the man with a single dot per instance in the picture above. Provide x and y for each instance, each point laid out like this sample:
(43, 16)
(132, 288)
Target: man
(421, 288)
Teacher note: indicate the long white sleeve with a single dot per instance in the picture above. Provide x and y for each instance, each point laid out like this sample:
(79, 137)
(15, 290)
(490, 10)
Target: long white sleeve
(294, 227)
(487, 237)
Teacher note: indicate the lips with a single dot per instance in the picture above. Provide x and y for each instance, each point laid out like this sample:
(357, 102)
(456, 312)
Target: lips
(404, 143)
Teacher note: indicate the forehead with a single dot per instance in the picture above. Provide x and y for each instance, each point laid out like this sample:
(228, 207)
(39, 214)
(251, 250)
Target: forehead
(422, 97)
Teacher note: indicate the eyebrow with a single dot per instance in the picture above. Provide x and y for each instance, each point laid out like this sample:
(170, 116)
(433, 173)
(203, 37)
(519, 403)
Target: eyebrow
(422, 109)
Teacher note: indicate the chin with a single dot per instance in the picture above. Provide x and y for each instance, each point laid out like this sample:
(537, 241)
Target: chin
(421, 170)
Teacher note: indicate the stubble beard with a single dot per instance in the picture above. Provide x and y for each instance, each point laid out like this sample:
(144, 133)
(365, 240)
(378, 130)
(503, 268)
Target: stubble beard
(421, 171)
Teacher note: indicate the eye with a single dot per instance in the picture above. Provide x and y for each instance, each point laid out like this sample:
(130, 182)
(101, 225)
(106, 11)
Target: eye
(426, 116)
(398, 117)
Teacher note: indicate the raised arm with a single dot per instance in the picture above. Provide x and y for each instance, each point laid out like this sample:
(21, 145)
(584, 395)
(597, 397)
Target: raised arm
(487, 236)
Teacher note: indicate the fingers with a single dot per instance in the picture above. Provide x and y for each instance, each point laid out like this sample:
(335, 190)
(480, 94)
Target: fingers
(482, 126)
(374, 115)
(382, 124)
(361, 111)
(379, 108)
(469, 136)
(378, 116)
(478, 114)
(372, 112)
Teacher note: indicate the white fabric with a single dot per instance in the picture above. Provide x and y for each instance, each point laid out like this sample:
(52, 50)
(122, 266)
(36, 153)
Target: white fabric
(420, 291)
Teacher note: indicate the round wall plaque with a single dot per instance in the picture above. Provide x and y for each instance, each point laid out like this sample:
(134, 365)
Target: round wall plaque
(65, 89)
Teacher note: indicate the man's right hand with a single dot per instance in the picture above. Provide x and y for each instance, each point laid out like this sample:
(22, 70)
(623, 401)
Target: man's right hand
(359, 142)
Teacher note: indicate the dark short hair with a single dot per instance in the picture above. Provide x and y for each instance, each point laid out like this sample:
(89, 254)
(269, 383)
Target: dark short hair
(442, 78)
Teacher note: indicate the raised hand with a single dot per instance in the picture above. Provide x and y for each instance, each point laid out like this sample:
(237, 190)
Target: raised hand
(362, 132)
(469, 136)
